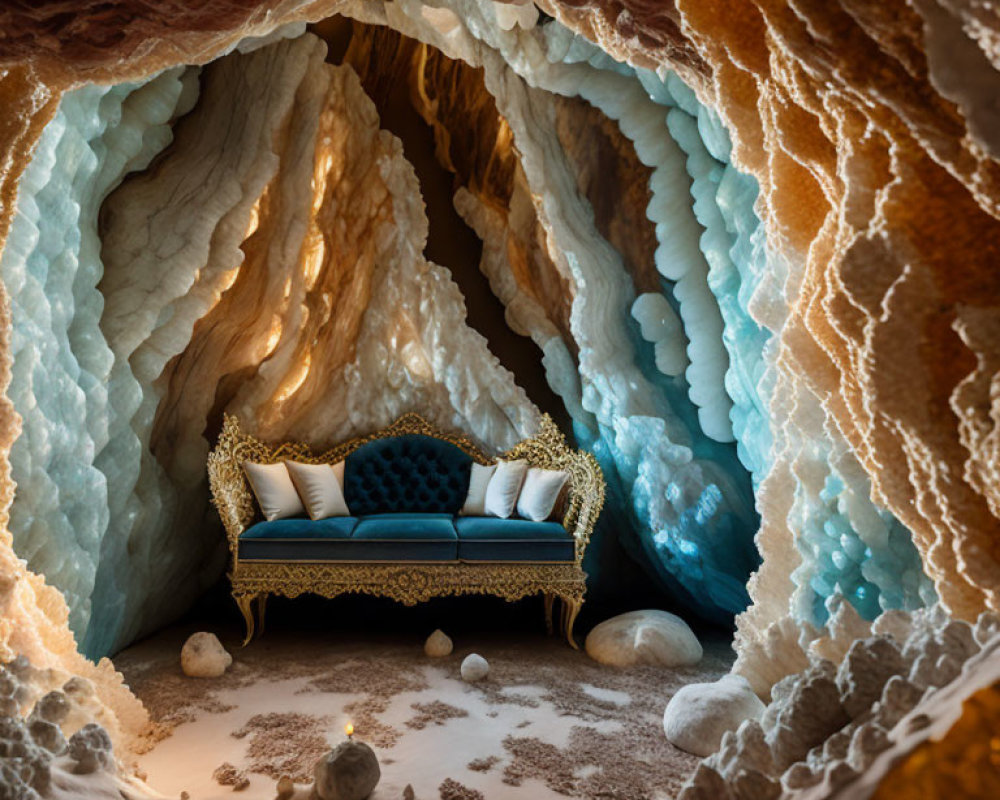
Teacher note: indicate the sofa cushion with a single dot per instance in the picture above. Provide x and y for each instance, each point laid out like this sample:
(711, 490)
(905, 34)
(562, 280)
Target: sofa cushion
(503, 488)
(405, 537)
(321, 487)
(296, 539)
(274, 490)
(539, 494)
(411, 473)
(493, 539)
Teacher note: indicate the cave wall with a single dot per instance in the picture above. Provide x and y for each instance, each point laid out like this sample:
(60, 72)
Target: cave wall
(269, 264)
(877, 182)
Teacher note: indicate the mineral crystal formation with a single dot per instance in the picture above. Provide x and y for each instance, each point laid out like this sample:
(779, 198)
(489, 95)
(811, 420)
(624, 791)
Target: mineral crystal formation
(829, 726)
(659, 330)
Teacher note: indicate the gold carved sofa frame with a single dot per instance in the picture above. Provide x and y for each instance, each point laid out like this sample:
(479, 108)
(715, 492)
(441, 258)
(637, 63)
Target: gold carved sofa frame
(408, 582)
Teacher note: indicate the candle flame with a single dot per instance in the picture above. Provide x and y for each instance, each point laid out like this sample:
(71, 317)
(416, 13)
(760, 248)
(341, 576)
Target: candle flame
(349, 729)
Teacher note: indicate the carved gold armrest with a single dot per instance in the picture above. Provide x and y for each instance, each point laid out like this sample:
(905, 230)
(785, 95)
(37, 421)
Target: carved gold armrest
(548, 449)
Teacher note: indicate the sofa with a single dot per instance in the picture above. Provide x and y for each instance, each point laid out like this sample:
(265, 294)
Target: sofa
(403, 535)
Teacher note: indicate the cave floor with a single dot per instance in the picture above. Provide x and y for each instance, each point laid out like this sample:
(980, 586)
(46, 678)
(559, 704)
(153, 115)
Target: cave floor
(547, 722)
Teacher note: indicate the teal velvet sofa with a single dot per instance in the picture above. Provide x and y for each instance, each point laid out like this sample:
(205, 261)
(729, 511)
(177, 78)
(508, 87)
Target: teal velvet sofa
(405, 539)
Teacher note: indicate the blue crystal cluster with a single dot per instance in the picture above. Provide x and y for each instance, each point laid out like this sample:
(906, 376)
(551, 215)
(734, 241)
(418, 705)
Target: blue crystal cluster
(702, 551)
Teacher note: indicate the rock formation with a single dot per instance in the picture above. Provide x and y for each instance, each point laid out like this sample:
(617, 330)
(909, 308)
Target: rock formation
(474, 668)
(49, 735)
(203, 656)
(348, 772)
(438, 644)
(648, 636)
(700, 714)
(828, 725)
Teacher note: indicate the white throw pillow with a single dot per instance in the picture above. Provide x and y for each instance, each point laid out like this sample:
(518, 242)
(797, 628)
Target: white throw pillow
(274, 489)
(504, 487)
(321, 487)
(540, 492)
(475, 500)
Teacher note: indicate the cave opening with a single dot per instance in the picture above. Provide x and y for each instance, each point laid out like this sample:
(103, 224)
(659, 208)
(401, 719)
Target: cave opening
(419, 95)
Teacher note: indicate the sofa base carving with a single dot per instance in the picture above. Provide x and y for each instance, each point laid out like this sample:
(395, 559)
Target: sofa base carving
(409, 584)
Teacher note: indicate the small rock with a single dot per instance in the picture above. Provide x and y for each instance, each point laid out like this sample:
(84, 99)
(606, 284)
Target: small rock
(203, 656)
(474, 668)
(348, 772)
(90, 748)
(227, 775)
(438, 644)
(48, 735)
(53, 707)
(285, 788)
(697, 717)
(644, 637)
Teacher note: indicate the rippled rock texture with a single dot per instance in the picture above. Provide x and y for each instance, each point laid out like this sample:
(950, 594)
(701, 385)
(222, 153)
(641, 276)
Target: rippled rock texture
(788, 308)
(882, 704)
(876, 181)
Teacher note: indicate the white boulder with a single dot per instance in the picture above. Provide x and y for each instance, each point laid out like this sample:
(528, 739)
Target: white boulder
(699, 714)
(438, 644)
(474, 668)
(203, 656)
(649, 636)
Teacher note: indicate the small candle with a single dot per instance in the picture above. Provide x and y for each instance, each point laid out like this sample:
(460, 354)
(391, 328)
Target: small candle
(349, 730)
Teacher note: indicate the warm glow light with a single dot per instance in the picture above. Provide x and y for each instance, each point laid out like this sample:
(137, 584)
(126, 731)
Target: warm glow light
(254, 221)
(295, 380)
(228, 280)
(275, 336)
(349, 729)
(314, 259)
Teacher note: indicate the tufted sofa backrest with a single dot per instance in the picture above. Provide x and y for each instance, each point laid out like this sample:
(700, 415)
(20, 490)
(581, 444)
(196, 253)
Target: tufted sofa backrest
(414, 473)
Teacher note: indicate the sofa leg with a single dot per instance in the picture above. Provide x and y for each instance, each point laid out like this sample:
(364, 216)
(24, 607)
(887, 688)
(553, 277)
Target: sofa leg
(571, 609)
(549, 600)
(244, 602)
(261, 609)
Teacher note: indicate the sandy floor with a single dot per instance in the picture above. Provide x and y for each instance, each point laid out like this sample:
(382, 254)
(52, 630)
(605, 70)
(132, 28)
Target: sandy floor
(547, 723)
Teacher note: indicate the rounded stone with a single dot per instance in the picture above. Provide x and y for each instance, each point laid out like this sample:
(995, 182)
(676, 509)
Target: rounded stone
(474, 668)
(348, 772)
(53, 707)
(697, 717)
(90, 747)
(649, 636)
(438, 644)
(203, 656)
